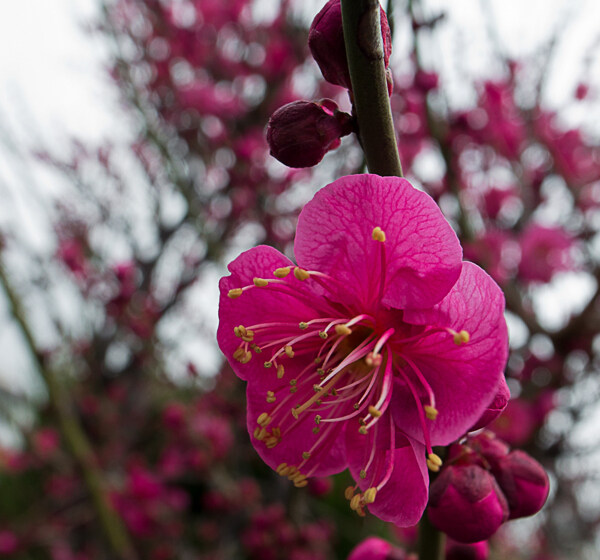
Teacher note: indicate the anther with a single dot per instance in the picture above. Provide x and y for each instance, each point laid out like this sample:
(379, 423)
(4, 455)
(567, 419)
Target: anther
(461, 337)
(282, 272)
(242, 355)
(374, 412)
(378, 234)
(260, 282)
(295, 413)
(264, 419)
(303, 326)
(430, 411)
(268, 364)
(362, 430)
(300, 483)
(323, 335)
(280, 371)
(434, 462)
(289, 351)
(235, 293)
(280, 468)
(305, 455)
(349, 492)
(373, 360)
(271, 397)
(292, 382)
(301, 274)
(355, 502)
(363, 474)
(369, 495)
(318, 419)
(343, 330)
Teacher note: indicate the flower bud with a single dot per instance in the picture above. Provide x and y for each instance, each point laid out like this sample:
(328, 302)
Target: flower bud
(326, 43)
(466, 503)
(301, 133)
(524, 482)
(495, 408)
(463, 551)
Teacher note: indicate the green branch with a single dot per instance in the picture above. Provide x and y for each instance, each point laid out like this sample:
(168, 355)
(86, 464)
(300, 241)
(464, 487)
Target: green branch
(364, 50)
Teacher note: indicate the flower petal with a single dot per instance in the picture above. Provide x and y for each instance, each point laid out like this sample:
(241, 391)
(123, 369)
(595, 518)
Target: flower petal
(403, 498)
(423, 255)
(257, 305)
(465, 377)
(328, 458)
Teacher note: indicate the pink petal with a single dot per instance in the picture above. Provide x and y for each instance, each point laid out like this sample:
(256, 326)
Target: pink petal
(326, 460)
(257, 305)
(423, 254)
(464, 378)
(404, 497)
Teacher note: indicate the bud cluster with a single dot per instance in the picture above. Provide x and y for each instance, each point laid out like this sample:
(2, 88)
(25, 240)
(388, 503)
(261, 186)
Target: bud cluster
(482, 485)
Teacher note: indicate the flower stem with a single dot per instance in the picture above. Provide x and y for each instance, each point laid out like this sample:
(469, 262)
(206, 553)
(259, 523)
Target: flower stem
(431, 541)
(74, 436)
(364, 50)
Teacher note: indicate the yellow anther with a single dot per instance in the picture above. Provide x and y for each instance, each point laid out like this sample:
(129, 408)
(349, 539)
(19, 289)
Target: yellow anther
(271, 442)
(360, 511)
(292, 472)
(280, 468)
(299, 477)
(323, 335)
(257, 432)
(256, 348)
(260, 282)
(374, 412)
(262, 434)
(363, 474)
(317, 419)
(282, 272)
(321, 372)
(362, 430)
(343, 330)
(292, 382)
(433, 462)
(235, 293)
(295, 413)
(430, 411)
(271, 397)
(280, 371)
(355, 406)
(373, 360)
(239, 331)
(285, 470)
(355, 502)
(300, 483)
(378, 234)
(305, 455)
(301, 274)
(242, 355)
(264, 419)
(268, 364)
(289, 351)
(303, 325)
(370, 494)
(315, 430)
(461, 337)
(293, 389)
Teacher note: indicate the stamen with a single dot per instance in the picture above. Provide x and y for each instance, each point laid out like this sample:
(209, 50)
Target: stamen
(289, 351)
(301, 274)
(282, 272)
(349, 492)
(430, 412)
(369, 495)
(280, 371)
(264, 419)
(378, 234)
(373, 360)
(234, 293)
(242, 355)
(461, 337)
(303, 326)
(260, 282)
(434, 462)
(343, 330)
(374, 412)
(271, 397)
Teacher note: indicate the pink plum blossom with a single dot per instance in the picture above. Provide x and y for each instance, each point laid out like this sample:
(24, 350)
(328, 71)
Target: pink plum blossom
(377, 345)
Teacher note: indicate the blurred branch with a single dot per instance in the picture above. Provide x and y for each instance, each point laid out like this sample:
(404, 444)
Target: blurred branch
(74, 436)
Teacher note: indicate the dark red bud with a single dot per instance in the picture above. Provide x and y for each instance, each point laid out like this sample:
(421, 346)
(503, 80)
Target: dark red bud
(326, 43)
(301, 133)
(466, 503)
(524, 482)
(464, 551)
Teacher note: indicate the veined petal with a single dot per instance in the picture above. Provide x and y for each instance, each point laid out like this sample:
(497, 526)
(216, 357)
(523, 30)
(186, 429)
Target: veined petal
(297, 436)
(463, 377)
(422, 253)
(403, 497)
